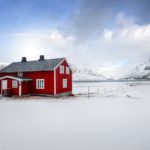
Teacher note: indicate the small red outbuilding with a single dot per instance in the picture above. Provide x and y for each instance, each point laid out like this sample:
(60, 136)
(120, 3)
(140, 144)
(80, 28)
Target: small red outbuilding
(51, 77)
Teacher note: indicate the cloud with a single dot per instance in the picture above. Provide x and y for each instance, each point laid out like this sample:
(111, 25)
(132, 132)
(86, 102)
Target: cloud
(95, 16)
(52, 43)
(112, 53)
(92, 18)
(133, 39)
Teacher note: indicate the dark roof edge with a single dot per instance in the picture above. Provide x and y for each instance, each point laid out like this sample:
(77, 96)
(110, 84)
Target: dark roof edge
(61, 60)
(38, 60)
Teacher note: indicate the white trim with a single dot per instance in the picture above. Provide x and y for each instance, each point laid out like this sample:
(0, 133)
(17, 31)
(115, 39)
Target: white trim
(55, 85)
(54, 82)
(15, 78)
(65, 83)
(59, 63)
(37, 80)
(67, 70)
(20, 88)
(5, 85)
(2, 85)
(14, 84)
(62, 69)
(20, 74)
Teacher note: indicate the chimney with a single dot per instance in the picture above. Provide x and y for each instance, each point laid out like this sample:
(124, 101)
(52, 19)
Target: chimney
(23, 59)
(41, 58)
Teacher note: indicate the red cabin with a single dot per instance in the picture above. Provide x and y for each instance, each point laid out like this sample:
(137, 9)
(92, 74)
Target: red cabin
(51, 77)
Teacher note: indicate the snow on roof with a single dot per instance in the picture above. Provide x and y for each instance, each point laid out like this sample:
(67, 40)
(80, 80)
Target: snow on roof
(29, 66)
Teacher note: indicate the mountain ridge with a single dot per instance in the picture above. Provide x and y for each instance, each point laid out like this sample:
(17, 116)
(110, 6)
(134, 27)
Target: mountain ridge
(141, 71)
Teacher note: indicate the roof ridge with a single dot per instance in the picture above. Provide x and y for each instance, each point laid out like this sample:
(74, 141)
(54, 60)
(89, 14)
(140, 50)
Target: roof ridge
(38, 60)
(34, 65)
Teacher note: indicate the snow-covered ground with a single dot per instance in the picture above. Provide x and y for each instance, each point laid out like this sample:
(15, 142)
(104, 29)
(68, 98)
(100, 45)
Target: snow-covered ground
(115, 116)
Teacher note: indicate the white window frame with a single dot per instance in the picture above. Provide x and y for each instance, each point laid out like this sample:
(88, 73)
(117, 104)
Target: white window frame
(65, 83)
(40, 83)
(61, 69)
(67, 70)
(20, 74)
(14, 84)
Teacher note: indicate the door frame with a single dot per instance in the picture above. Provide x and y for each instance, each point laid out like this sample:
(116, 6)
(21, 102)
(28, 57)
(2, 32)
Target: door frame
(2, 84)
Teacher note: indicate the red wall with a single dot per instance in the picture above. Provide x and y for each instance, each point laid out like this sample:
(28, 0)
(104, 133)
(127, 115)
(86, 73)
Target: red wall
(15, 91)
(30, 86)
(49, 81)
(26, 87)
(60, 77)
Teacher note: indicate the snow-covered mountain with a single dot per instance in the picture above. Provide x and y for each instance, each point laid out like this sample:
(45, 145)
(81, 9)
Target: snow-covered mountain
(141, 71)
(2, 66)
(85, 73)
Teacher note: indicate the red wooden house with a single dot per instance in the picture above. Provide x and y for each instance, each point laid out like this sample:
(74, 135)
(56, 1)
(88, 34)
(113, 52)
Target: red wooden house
(41, 77)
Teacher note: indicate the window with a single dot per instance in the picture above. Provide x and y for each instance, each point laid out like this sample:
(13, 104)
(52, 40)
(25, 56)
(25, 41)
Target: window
(14, 84)
(64, 83)
(67, 70)
(40, 84)
(61, 69)
(20, 74)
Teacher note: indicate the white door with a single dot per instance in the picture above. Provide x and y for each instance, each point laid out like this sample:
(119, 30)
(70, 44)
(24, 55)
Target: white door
(64, 83)
(4, 84)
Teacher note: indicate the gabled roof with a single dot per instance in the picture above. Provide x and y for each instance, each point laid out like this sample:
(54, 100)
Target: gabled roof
(29, 66)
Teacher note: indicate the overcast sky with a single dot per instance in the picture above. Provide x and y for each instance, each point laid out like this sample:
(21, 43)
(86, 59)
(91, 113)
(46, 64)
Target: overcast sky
(109, 35)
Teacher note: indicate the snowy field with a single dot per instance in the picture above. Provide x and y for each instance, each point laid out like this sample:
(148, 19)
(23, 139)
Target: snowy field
(113, 116)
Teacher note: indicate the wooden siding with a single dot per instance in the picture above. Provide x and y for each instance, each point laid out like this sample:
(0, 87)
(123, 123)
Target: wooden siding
(29, 87)
(60, 77)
